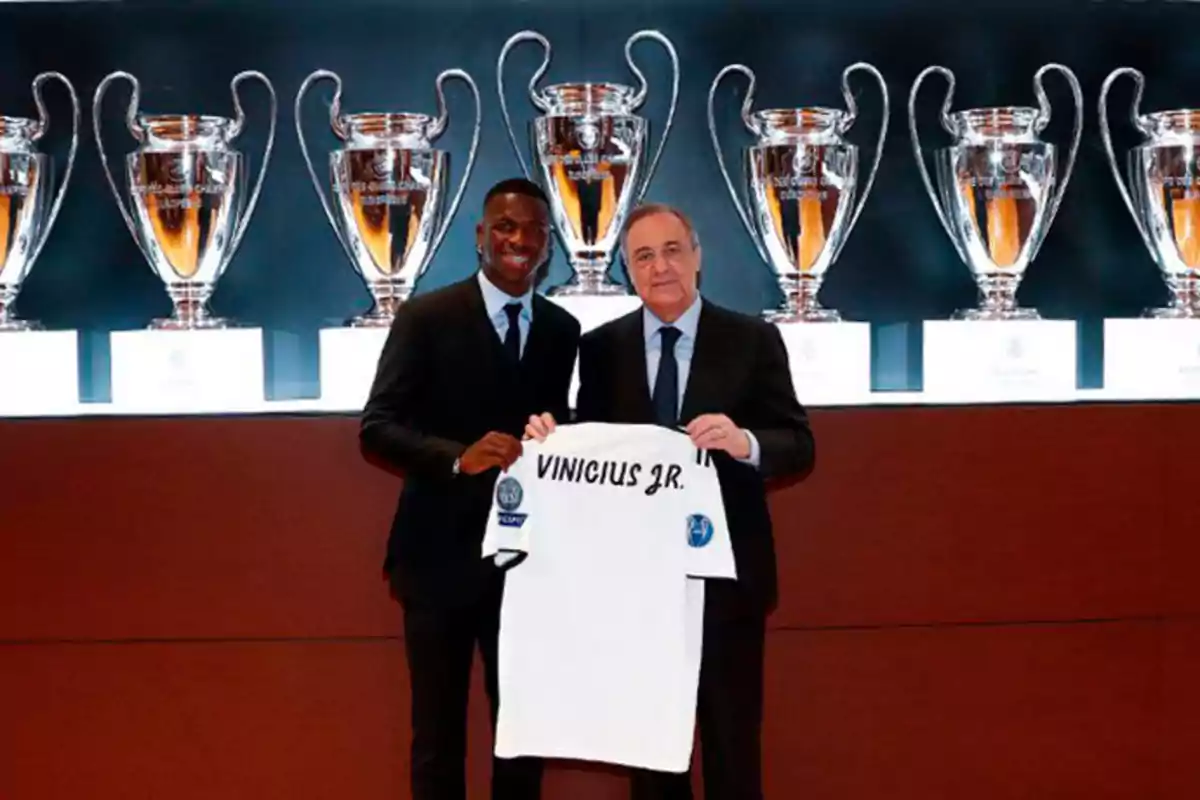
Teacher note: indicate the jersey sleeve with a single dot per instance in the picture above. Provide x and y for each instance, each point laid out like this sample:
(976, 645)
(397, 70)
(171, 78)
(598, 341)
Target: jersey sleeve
(506, 537)
(709, 549)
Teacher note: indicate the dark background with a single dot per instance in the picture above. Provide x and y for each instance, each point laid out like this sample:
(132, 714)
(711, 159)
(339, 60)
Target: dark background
(291, 277)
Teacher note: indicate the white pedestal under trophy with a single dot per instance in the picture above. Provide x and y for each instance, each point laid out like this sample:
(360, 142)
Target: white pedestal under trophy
(999, 360)
(1152, 358)
(187, 371)
(349, 358)
(39, 372)
(830, 363)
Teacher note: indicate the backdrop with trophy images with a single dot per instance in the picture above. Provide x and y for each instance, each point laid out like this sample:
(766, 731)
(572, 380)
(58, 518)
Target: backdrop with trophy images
(893, 258)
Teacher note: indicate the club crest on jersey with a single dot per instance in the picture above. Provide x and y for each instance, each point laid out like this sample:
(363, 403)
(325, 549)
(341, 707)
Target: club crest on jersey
(509, 495)
(699, 530)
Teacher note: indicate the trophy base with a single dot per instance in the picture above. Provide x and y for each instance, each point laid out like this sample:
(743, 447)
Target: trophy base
(998, 300)
(1185, 299)
(19, 326)
(590, 280)
(194, 324)
(8, 322)
(372, 319)
(996, 314)
(783, 316)
(190, 312)
(800, 302)
(601, 288)
(386, 299)
(1168, 312)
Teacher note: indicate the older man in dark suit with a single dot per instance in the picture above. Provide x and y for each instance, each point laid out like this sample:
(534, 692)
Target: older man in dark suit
(723, 376)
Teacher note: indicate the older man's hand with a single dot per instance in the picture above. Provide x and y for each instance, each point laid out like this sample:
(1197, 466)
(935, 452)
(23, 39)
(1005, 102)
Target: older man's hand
(718, 432)
(539, 426)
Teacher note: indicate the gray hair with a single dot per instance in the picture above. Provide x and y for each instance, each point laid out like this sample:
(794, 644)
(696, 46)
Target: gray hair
(648, 210)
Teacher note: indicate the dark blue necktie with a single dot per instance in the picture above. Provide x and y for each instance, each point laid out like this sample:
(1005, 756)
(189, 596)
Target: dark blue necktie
(666, 385)
(512, 337)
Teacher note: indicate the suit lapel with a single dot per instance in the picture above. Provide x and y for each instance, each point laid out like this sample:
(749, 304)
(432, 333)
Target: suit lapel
(704, 374)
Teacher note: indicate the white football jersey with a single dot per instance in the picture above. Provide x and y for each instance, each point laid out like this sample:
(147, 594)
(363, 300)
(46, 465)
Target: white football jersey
(608, 531)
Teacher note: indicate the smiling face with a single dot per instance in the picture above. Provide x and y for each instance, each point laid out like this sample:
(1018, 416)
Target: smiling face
(664, 263)
(514, 241)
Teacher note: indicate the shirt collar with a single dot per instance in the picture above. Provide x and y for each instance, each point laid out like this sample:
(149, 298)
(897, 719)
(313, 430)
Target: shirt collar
(495, 299)
(686, 324)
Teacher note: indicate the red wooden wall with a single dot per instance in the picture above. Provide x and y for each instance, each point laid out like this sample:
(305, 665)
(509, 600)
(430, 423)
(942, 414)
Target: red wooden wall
(977, 603)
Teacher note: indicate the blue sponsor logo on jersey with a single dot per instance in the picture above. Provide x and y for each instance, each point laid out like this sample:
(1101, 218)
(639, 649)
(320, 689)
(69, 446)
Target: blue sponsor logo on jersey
(699, 530)
(511, 519)
(509, 494)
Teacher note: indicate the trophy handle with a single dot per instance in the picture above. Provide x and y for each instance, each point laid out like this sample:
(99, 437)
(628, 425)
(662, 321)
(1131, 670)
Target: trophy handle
(883, 126)
(640, 97)
(513, 41)
(1043, 119)
(43, 126)
(134, 129)
(335, 111)
(1105, 135)
(740, 204)
(238, 125)
(443, 117)
(916, 142)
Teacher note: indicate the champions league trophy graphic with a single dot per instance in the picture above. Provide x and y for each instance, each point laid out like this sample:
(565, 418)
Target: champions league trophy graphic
(800, 181)
(998, 188)
(27, 212)
(589, 150)
(389, 186)
(1162, 192)
(187, 192)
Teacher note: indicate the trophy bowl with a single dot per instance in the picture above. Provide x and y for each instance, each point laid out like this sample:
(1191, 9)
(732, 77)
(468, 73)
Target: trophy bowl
(389, 187)
(27, 207)
(188, 206)
(589, 149)
(1162, 192)
(800, 195)
(999, 186)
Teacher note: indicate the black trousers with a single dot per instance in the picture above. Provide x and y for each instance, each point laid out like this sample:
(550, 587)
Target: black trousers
(440, 646)
(728, 714)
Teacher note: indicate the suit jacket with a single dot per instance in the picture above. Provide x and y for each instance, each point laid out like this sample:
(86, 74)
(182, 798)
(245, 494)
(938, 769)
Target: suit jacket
(443, 381)
(739, 368)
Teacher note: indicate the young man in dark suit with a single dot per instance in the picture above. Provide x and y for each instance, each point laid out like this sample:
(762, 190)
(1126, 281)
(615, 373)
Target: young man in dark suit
(682, 361)
(463, 368)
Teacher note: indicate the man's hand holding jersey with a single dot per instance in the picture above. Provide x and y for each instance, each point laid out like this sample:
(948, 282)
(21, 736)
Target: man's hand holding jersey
(707, 432)
(539, 426)
(493, 450)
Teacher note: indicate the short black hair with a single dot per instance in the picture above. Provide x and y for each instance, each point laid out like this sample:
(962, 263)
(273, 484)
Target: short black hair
(517, 186)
